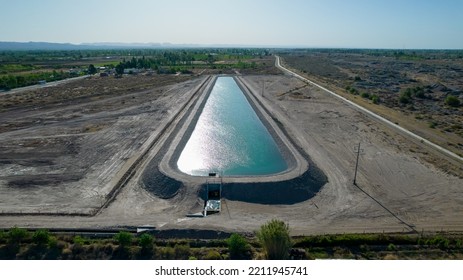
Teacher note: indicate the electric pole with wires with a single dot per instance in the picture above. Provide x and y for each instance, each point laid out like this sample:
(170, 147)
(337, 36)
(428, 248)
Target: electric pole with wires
(358, 151)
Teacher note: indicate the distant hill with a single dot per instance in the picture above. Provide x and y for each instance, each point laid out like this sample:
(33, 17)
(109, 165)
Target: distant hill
(46, 46)
(20, 46)
(28, 46)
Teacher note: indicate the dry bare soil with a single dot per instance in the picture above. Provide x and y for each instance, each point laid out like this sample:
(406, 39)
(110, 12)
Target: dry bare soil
(61, 146)
(62, 157)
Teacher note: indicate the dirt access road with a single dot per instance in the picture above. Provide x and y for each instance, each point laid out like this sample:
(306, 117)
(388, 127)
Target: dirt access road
(396, 190)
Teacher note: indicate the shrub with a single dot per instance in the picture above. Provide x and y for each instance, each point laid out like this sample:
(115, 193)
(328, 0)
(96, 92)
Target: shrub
(452, 101)
(375, 99)
(419, 92)
(167, 253)
(78, 240)
(182, 251)
(3, 236)
(16, 235)
(41, 237)
(108, 249)
(237, 246)
(353, 91)
(404, 98)
(123, 238)
(391, 247)
(439, 241)
(365, 95)
(213, 255)
(275, 240)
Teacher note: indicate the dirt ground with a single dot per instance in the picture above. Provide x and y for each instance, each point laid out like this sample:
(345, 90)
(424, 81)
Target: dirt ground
(62, 157)
(56, 164)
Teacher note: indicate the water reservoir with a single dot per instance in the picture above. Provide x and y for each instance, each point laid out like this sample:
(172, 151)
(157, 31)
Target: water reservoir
(229, 138)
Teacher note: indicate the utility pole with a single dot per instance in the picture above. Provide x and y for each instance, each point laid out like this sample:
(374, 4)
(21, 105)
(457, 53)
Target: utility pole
(358, 151)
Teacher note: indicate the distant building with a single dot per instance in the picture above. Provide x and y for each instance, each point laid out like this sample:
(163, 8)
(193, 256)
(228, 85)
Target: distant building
(131, 71)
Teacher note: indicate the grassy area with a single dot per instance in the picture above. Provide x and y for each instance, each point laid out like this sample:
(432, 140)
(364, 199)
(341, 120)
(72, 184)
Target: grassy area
(13, 68)
(17, 243)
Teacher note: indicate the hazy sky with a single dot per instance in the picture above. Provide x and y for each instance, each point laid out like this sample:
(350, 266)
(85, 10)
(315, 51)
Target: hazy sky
(305, 23)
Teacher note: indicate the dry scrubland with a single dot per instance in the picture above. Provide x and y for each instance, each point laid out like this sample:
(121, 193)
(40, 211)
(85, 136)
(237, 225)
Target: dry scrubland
(62, 153)
(411, 88)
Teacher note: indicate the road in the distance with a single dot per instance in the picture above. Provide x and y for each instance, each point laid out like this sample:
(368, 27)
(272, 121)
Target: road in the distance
(370, 113)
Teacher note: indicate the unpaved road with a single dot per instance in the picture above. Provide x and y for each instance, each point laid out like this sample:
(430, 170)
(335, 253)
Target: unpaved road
(396, 191)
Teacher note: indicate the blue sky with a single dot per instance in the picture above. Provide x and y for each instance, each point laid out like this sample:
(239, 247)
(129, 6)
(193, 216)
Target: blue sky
(433, 24)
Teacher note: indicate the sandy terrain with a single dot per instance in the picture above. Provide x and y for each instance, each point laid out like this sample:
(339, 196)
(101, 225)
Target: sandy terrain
(396, 190)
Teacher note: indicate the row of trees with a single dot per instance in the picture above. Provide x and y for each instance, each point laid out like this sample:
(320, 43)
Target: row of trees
(168, 54)
(158, 62)
(171, 63)
(8, 82)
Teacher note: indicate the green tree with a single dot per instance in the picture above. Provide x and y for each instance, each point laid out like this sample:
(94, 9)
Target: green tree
(91, 69)
(237, 246)
(120, 69)
(146, 241)
(452, 101)
(11, 82)
(275, 240)
(123, 238)
(210, 59)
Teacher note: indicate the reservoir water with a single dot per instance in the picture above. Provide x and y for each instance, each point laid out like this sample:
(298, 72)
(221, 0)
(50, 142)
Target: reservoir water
(229, 138)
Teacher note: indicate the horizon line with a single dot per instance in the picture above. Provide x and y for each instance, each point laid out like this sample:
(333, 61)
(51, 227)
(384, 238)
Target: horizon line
(96, 45)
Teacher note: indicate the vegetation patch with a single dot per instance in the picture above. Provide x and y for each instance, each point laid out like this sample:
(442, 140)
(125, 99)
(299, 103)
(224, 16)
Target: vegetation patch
(272, 241)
